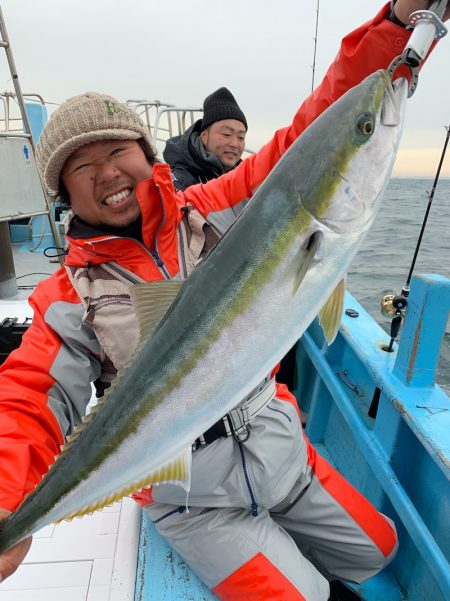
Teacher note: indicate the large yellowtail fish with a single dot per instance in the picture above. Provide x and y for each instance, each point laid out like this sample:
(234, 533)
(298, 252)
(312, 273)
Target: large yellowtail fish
(237, 315)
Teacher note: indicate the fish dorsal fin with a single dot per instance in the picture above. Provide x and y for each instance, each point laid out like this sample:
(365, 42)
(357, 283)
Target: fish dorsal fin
(151, 301)
(331, 313)
(307, 259)
(177, 471)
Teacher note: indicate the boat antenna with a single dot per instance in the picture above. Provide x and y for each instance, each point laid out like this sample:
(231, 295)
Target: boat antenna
(395, 306)
(313, 66)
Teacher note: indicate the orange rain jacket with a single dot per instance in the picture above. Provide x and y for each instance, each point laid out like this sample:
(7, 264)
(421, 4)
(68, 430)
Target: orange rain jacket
(45, 384)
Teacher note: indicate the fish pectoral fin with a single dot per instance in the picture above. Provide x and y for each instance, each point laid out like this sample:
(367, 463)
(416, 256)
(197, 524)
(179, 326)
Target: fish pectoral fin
(151, 301)
(331, 313)
(307, 258)
(177, 471)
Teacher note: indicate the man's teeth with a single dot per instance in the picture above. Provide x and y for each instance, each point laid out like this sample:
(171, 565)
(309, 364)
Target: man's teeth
(115, 198)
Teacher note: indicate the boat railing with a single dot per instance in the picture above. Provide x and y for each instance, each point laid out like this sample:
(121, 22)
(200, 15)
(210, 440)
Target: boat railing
(398, 456)
(10, 117)
(23, 200)
(164, 120)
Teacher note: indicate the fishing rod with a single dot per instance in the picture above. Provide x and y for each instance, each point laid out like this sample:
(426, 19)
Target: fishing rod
(395, 306)
(427, 28)
(405, 290)
(315, 38)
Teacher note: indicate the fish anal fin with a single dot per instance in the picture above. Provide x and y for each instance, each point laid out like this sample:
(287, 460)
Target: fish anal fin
(151, 301)
(331, 313)
(177, 471)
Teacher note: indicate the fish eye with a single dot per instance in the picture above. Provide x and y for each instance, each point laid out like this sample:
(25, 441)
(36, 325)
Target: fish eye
(365, 125)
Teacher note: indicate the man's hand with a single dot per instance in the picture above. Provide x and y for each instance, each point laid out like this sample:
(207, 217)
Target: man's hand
(11, 559)
(403, 8)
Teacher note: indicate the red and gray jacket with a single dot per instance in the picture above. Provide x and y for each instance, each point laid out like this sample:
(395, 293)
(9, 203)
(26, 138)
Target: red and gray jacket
(83, 313)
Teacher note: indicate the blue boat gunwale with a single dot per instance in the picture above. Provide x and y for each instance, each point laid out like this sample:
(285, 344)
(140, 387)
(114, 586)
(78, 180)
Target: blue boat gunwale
(425, 408)
(359, 348)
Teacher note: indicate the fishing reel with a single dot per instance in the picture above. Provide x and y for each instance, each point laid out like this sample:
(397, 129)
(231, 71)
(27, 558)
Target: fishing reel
(393, 307)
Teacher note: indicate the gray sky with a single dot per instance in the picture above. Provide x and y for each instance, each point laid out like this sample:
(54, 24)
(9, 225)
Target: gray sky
(180, 51)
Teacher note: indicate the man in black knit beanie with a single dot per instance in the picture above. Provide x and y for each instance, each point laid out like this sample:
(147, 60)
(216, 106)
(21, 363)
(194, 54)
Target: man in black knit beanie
(212, 146)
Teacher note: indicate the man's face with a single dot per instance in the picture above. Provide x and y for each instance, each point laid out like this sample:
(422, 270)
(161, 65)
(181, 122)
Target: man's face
(226, 139)
(100, 179)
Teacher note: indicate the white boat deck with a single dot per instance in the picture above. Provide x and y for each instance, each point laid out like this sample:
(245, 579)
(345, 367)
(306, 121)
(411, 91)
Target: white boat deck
(89, 559)
(92, 558)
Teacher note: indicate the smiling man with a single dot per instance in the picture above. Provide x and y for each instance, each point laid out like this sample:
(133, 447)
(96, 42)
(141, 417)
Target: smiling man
(268, 518)
(212, 146)
(104, 175)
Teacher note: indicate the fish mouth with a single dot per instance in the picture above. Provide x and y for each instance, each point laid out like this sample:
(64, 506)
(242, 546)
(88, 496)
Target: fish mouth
(391, 111)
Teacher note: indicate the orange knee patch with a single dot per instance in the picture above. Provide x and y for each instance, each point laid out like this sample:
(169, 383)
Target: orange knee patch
(360, 509)
(257, 580)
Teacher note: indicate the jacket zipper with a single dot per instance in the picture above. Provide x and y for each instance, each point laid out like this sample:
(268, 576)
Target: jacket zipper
(125, 274)
(181, 244)
(155, 253)
(104, 302)
(247, 480)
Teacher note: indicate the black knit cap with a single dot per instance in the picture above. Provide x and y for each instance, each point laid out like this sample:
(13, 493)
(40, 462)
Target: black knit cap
(219, 105)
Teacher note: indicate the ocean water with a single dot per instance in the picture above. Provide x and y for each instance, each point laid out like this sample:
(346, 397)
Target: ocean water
(382, 264)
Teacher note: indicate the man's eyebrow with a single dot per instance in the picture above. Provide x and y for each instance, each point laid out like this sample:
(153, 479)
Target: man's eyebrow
(232, 129)
(78, 154)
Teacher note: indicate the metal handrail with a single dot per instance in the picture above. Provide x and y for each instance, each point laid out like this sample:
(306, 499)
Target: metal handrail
(5, 98)
(185, 117)
(5, 43)
(181, 115)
